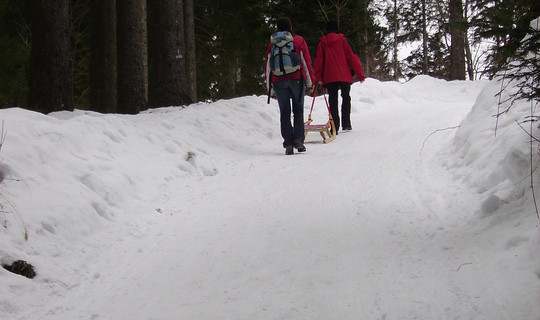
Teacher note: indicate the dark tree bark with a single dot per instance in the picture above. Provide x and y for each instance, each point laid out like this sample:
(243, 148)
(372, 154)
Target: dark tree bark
(395, 61)
(131, 56)
(468, 54)
(49, 81)
(103, 56)
(425, 39)
(167, 85)
(457, 28)
(191, 57)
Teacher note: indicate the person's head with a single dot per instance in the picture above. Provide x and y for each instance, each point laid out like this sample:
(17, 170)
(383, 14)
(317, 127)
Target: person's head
(284, 24)
(332, 26)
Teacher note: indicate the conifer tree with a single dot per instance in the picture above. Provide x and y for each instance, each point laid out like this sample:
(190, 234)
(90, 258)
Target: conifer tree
(50, 86)
(457, 29)
(14, 52)
(167, 85)
(132, 55)
(516, 45)
(191, 56)
(102, 71)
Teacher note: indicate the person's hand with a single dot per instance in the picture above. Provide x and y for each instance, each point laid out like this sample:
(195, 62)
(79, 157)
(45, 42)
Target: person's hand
(320, 83)
(310, 89)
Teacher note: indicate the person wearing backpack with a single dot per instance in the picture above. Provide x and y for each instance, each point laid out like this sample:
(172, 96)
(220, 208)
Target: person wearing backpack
(334, 66)
(288, 72)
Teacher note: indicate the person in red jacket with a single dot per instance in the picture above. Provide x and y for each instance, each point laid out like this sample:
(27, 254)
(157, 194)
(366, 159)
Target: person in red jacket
(291, 87)
(334, 64)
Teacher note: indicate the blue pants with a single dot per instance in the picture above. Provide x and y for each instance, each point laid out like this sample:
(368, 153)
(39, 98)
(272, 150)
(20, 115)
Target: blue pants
(287, 91)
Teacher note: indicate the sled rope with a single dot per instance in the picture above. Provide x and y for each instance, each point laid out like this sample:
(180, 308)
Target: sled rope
(327, 130)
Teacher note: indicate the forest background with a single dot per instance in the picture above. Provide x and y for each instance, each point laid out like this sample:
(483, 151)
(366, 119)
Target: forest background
(126, 56)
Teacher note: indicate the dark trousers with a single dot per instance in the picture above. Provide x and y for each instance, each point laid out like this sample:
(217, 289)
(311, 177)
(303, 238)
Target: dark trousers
(287, 91)
(345, 88)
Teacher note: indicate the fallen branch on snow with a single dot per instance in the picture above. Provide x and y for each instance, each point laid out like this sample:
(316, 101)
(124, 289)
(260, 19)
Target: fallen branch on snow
(438, 130)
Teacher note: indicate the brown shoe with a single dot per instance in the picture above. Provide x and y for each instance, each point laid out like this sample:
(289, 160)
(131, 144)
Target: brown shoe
(289, 150)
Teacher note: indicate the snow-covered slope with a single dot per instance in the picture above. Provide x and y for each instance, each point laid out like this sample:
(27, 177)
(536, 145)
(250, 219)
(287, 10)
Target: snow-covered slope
(196, 213)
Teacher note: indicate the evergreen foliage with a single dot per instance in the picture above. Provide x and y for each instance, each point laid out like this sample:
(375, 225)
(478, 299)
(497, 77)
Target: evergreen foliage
(80, 51)
(524, 66)
(231, 38)
(516, 43)
(14, 52)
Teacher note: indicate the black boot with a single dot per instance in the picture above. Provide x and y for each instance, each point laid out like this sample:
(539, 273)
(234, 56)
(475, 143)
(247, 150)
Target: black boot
(300, 146)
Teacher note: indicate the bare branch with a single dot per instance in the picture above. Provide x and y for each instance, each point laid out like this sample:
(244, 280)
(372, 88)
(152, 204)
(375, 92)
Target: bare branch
(438, 130)
(2, 136)
(18, 214)
(527, 132)
(463, 264)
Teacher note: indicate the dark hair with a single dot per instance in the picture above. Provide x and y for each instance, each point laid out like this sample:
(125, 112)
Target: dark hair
(332, 26)
(284, 24)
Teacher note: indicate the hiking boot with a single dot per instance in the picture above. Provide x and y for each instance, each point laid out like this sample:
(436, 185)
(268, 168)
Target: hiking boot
(300, 146)
(289, 150)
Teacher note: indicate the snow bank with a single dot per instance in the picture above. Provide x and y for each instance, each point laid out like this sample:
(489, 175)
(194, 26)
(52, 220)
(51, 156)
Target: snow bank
(497, 151)
(81, 168)
(494, 156)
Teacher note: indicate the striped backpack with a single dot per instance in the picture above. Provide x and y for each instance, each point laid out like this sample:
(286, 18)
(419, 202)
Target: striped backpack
(284, 59)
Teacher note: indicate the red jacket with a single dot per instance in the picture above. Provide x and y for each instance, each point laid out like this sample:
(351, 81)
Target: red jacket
(335, 60)
(305, 60)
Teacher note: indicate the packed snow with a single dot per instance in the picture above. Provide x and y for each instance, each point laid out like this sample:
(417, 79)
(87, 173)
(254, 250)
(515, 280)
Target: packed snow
(423, 211)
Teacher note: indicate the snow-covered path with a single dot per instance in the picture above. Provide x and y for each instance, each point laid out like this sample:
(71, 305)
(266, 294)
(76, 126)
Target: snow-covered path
(370, 226)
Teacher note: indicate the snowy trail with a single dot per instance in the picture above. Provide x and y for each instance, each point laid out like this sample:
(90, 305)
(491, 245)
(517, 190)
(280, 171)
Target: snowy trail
(232, 253)
(370, 226)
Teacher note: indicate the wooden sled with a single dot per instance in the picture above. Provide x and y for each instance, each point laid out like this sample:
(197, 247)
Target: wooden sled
(327, 130)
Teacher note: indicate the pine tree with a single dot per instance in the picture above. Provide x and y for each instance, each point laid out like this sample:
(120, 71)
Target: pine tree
(50, 86)
(191, 55)
(457, 29)
(14, 52)
(516, 49)
(79, 35)
(166, 46)
(506, 22)
(103, 56)
(231, 39)
(132, 55)
(392, 13)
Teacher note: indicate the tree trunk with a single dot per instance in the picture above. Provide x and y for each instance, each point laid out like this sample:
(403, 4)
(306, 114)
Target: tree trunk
(457, 47)
(131, 56)
(166, 59)
(191, 58)
(468, 55)
(103, 56)
(49, 81)
(396, 29)
(365, 35)
(425, 39)
(469, 60)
